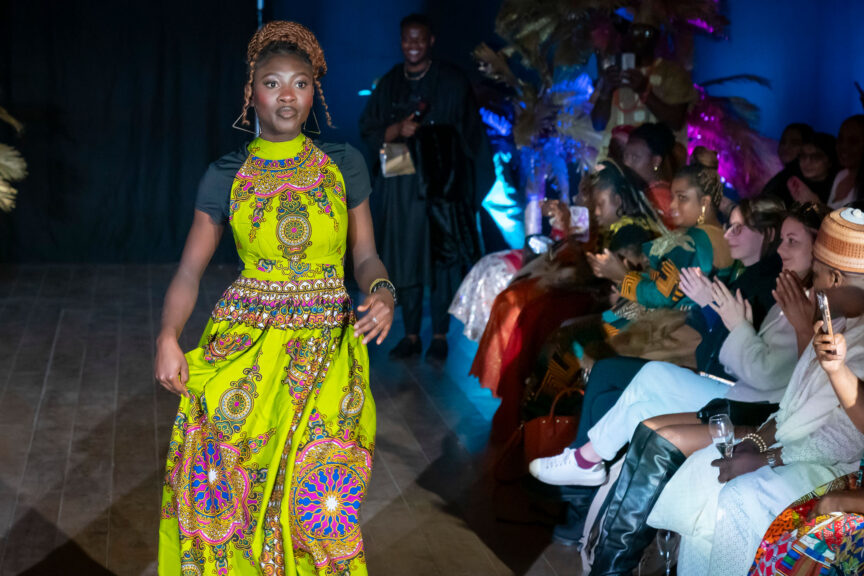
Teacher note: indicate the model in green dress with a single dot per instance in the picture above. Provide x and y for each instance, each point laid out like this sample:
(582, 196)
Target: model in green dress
(271, 452)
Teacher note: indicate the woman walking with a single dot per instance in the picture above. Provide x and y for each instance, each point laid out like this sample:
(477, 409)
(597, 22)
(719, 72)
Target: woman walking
(271, 452)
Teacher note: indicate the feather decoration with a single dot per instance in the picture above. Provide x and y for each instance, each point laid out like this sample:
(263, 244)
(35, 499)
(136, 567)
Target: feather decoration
(12, 166)
(8, 119)
(746, 159)
(7, 196)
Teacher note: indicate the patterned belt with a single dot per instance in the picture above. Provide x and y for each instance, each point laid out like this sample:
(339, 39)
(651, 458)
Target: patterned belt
(311, 303)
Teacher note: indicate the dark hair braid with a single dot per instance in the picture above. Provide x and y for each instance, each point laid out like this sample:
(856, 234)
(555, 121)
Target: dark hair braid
(281, 37)
(706, 179)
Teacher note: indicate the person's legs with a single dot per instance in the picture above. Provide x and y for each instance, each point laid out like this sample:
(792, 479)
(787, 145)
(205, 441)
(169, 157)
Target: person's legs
(649, 464)
(608, 379)
(664, 420)
(411, 301)
(447, 279)
(580, 464)
(658, 388)
(688, 438)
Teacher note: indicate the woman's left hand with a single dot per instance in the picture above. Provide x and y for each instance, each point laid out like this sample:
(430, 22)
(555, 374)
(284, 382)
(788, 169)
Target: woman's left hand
(800, 192)
(607, 265)
(378, 318)
(733, 310)
(741, 462)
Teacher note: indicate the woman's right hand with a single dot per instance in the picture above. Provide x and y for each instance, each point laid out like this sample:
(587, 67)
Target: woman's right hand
(798, 308)
(170, 368)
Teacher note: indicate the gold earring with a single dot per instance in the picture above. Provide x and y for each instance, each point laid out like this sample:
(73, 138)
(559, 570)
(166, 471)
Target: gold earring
(237, 126)
(656, 168)
(317, 126)
(701, 219)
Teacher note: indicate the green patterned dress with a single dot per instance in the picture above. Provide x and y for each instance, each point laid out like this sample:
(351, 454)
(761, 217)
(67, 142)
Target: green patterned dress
(271, 458)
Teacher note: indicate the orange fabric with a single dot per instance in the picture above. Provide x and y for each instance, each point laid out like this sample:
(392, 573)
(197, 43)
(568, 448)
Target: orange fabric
(660, 196)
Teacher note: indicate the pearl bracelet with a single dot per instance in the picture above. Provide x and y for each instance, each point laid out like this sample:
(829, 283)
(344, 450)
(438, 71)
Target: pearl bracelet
(756, 439)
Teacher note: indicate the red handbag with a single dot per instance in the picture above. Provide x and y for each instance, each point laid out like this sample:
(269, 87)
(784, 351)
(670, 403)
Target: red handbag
(537, 438)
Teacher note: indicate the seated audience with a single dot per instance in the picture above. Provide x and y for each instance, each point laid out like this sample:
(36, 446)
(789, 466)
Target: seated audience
(807, 442)
(762, 362)
(561, 283)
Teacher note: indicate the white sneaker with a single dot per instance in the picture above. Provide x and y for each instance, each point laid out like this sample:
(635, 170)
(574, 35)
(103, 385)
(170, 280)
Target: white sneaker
(562, 470)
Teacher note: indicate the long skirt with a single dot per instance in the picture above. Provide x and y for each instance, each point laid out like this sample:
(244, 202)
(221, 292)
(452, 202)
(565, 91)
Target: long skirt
(831, 544)
(271, 457)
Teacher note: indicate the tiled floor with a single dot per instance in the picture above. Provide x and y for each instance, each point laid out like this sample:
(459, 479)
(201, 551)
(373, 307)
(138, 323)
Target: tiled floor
(84, 430)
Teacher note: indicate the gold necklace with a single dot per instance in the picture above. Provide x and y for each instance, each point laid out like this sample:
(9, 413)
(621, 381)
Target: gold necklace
(422, 74)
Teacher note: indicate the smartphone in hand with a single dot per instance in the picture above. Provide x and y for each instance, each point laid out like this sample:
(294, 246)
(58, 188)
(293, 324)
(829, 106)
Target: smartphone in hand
(822, 303)
(628, 61)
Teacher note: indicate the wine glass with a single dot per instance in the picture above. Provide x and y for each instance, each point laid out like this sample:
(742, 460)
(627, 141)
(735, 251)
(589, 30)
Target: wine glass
(722, 434)
(664, 547)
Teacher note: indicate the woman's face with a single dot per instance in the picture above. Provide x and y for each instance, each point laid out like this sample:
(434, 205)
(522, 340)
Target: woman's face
(796, 247)
(606, 205)
(686, 206)
(745, 243)
(282, 93)
(638, 157)
(790, 145)
(850, 144)
(815, 164)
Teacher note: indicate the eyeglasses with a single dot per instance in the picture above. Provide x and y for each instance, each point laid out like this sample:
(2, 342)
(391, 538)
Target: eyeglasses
(734, 229)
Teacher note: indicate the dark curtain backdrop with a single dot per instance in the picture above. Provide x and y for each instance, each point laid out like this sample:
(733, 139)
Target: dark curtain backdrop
(125, 105)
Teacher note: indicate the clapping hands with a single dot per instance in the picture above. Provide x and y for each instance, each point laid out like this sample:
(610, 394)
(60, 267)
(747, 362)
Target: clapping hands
(607, 265)
(696, 286)
(733, 310)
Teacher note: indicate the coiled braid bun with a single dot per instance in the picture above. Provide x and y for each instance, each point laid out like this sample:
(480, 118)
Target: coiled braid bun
(281, 37)
(706, 180)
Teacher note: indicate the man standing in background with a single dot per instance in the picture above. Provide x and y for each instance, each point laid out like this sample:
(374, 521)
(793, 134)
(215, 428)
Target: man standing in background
(426, 225)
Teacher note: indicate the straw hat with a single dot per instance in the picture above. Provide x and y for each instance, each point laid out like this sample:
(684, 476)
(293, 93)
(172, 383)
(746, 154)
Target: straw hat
(840, 243)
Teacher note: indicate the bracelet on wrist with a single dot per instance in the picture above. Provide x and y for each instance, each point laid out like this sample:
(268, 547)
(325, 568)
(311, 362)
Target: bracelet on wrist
(385, 284)
(757, 440)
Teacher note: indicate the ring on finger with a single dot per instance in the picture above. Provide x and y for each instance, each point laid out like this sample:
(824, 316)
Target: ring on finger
(374, 320)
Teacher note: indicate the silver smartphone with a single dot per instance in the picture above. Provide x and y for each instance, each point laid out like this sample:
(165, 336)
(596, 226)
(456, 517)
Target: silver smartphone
(628, 61)
(822, 303)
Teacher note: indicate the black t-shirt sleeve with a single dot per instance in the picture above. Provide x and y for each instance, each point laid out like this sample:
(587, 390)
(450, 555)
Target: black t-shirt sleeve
(214, 189)
(352, 165)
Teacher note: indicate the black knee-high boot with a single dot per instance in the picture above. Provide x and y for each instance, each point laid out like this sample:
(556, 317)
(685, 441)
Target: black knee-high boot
(649, 464)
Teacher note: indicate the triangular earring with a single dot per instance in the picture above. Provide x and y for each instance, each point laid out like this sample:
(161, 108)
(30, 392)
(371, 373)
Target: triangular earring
(317, 126)
(237, 126)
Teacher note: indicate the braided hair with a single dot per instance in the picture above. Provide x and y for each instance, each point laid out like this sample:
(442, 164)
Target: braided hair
(281, 37)
(706, 180)
(623, 182)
